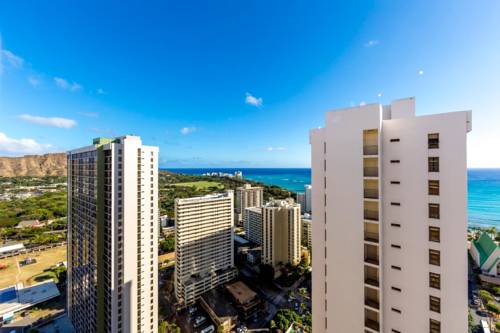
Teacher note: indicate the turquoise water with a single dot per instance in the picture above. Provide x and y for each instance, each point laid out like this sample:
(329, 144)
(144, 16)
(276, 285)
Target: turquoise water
(483, 185)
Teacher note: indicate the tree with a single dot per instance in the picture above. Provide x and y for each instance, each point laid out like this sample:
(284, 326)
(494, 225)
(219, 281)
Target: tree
(485, 296)
(220, 329)
(168, 245)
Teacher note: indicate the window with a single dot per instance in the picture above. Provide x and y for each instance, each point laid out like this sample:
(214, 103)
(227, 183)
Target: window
(395, 161)
(435, 304)
(434, 326)
(434, 280)
(395, 182)
(396, 225)
(434, 234)
(434, 211)
(433, 187)
(396, 267)
(395, 246)
(395, 331)
(394, 140)
(434, 257)
(433, 140)
(433, 164)
(395, 204)
(396, 310)
(396, 289)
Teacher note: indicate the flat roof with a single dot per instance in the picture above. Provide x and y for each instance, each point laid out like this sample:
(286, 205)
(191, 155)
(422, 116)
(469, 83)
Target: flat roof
(240, 291)
(219, 304)
(17, 298)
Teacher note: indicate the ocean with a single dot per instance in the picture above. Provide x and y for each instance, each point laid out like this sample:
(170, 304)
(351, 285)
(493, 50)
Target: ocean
(483, 186)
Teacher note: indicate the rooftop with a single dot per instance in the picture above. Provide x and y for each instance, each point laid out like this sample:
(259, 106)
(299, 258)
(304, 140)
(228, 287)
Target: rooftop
(219, 304)
(241, 293)
(209, 197)
(485, 245)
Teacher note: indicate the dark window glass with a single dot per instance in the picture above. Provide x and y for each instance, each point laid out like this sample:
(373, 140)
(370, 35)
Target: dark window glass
(434, 211)
(435, 304)
(433, 140)
(434, 326)
(433, 164)
(434, 257)
(434, 280)
(433, 187)
(434, 234)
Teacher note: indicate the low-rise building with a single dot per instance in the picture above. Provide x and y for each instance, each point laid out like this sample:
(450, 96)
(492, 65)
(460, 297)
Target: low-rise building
(246, 301)
(222, 312)
(486, 254)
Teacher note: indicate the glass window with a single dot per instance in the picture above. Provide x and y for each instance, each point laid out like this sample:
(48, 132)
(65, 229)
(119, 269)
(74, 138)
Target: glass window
(433, 140)
(434, 211)
(434, 234)
(434, 326)
(433, 164)
(434, 257)
(434, 280)
(433, 187)
(435, 304)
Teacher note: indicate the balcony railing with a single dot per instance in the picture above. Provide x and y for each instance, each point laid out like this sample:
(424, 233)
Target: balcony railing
(372, 281)
(371, 260)
(372, 324)
(371, 237)
(370, 150)
(372, 303)
(370, 171)
(371, 193)
(371, 215)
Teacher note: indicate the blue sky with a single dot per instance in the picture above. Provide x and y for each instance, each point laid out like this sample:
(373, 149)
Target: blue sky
(238, 83)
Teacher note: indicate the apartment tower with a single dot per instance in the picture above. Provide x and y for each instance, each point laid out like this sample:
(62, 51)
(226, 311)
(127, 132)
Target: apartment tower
(389, 207)
(247, 196)
(204, 245)
(281, 234)
(253, 224)
(306, 229)
(113, 236)
(308, 198)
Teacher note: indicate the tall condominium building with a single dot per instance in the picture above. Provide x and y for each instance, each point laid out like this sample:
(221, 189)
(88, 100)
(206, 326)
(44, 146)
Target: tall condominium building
(390, 220)
(113, 236)
(204, 244)
(253, 224)
(308, 199)
(247, 196)
(301, 200)
(306, 229)
(281, 233)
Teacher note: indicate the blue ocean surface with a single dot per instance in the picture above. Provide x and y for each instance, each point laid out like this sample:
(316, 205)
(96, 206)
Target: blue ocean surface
(483, 187)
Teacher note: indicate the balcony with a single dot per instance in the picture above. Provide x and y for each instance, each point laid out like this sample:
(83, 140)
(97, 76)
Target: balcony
(371, 276)
(370, 193)
(370, 215)
(371, 237)
(370, 171)
(372, 324)
(372, 298)
(371, 254)
(370, 150)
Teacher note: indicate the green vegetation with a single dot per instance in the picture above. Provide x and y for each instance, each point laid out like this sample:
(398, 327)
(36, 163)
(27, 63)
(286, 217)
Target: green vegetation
(52, 233)
(497, 325)
(285, 317)
(167, 245)
(44, 207)
(493, 307)
(485, 296)
(290, 274)
(13, 184)
(165, 327)
(58, 274)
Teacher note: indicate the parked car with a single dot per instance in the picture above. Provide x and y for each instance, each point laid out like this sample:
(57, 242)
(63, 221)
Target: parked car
(200, 320)
(208, 329)
(192, 309)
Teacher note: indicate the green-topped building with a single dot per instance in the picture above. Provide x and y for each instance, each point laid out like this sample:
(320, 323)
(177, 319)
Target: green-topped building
(486, 253)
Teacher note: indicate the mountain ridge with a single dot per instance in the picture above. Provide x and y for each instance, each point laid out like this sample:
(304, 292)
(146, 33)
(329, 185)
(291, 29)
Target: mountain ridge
(52, 164)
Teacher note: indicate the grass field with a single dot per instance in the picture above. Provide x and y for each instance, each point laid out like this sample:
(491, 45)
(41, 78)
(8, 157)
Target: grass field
(201, 185)
(45, 259)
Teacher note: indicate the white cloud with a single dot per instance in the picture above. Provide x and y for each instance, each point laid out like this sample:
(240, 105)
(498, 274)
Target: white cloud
(421, 72)
(101, 91)
(34, 81)
(66, 85)
(363, 103)
(379, 95)
(49, 121)
(89, 114)
(14, 60)
(21, 146)
(187, 130)
(275, 148)
(252, 100)
(372, 43)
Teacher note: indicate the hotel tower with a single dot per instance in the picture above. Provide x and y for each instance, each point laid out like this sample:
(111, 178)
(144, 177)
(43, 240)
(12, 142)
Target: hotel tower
(113, 236)
(389, 205)
(204, 245)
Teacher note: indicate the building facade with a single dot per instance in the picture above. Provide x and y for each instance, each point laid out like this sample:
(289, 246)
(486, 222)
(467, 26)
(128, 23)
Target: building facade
(390, 219)
(281, 234)
(113, 236)
(308, 198)
(306, 229)
(247, 196)
(204, 245)
(253, 224)
(301, 200)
